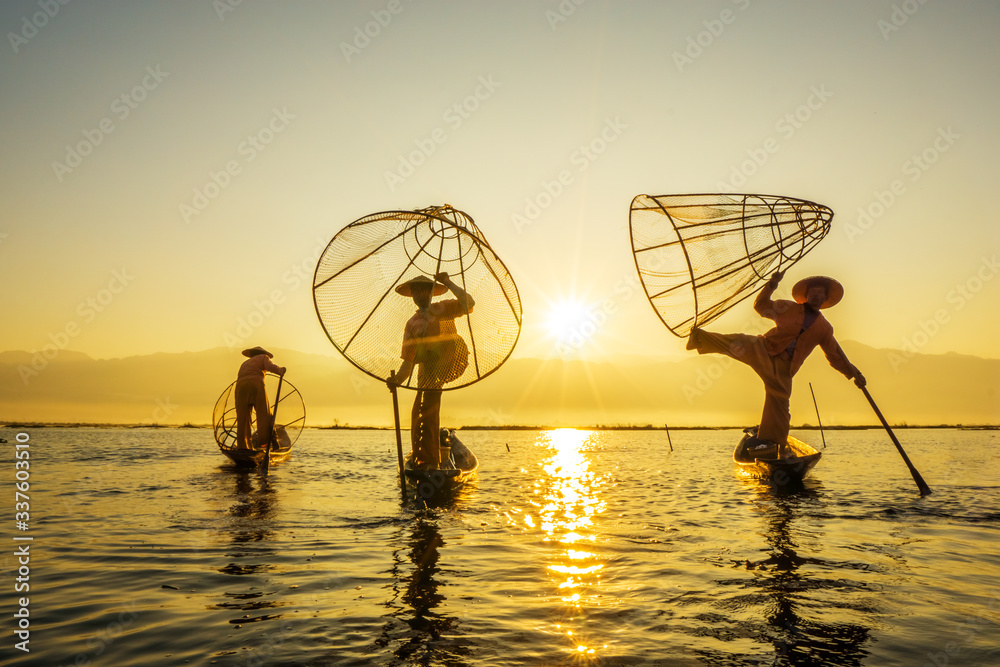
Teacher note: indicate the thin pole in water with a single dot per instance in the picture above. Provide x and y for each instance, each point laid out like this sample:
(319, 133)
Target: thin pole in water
(668, 437)
(399, 437)
(270, 436)
(815, 405)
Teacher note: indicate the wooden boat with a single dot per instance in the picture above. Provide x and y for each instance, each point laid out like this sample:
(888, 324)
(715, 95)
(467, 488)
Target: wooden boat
(761, 459)
(460, 466)
(251, 458)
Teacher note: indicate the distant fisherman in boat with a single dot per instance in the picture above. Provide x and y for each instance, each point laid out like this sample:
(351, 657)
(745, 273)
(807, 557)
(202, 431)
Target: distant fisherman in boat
(431, 342)
(779, 353)
(251, 395)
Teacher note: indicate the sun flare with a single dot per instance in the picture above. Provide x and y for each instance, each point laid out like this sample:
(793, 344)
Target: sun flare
(566, 319)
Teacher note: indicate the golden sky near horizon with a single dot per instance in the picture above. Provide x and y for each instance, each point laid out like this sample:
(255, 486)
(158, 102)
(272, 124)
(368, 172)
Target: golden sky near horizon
(172, 171)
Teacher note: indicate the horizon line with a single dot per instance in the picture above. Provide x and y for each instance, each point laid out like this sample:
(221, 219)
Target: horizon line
(679, 355)
(514, 427)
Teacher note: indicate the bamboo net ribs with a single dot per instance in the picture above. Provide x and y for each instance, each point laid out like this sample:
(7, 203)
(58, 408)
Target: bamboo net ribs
(291, 415)
(698, 255)
(354, 290)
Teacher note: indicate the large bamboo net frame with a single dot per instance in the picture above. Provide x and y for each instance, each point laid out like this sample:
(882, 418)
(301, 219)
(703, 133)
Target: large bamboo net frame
(698, 255)
(363, 316)
(288, 427)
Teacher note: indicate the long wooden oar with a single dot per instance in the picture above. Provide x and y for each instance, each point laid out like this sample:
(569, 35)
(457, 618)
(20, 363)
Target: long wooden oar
(921, 484)
(270, 436)
(399, 437)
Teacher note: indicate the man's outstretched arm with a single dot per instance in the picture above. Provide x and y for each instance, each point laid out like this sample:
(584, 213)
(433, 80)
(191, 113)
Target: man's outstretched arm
(835, 355)
(464, 298)
(763, 303)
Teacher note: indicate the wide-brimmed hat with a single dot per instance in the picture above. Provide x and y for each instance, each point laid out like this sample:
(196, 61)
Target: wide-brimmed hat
(834, 290)
(406, 289)
(254, 351)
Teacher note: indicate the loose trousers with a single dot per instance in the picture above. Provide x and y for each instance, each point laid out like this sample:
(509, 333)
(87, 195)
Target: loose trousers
(775, 372)
(251, 395)
(425, 426)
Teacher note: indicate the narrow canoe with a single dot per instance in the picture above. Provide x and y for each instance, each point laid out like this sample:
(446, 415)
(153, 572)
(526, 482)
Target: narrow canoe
(460, 467)
(764, 460)
(251, 458)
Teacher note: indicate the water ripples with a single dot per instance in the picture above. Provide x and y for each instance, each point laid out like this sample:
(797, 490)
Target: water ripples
(571, 547)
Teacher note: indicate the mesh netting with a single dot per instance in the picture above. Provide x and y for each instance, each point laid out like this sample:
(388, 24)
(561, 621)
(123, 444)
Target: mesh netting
(699, 255)
(291, 415)
(363, 316)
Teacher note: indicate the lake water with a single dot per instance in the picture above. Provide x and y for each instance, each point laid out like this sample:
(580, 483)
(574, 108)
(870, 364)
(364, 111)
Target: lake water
(569, 548)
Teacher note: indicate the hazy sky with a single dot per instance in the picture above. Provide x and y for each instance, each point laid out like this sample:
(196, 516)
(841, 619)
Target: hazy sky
(172, 170)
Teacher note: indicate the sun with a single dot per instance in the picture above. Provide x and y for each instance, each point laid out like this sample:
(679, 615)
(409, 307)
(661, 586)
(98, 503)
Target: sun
(568, 320)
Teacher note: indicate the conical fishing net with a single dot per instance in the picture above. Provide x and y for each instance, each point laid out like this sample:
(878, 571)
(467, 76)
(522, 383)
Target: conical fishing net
(354, 290)
(699, 255)
(291, 416)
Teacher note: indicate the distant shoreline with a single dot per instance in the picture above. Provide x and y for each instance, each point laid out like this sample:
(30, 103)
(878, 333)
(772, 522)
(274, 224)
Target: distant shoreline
(518, 427)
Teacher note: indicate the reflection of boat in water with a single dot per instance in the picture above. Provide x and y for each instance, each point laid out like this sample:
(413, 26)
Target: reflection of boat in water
(459, 464)
(764, 460)
(250, 555)
(811, 605)
(291, 420)
(426, 636)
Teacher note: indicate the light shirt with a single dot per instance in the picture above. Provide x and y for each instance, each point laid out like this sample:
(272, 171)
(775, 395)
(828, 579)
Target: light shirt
(434, 325)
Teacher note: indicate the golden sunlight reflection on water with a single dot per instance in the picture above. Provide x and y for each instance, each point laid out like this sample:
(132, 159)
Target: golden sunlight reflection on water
(570, 548)
(567, 500)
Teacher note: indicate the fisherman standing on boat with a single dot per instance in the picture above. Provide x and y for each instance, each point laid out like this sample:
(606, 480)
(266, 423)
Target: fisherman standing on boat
(251, 395)
(431, 342)
(779, 353)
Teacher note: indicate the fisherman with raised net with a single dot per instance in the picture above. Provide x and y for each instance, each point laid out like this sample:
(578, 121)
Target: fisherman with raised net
(779, 353)
(432, 344)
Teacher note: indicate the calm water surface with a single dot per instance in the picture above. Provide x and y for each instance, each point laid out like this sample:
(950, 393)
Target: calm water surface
(571, 548)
